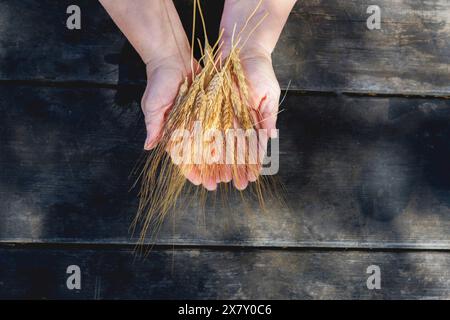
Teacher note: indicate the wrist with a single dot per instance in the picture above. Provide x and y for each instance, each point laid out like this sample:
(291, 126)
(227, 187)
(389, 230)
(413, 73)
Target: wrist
(171, 60)
(251, 49)
(260, 35)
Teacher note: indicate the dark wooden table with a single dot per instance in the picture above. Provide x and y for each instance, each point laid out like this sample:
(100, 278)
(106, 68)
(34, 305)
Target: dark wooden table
(365, 156)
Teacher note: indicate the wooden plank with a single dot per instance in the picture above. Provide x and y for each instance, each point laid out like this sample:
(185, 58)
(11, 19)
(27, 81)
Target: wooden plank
(326, 46)
(359, 172)
(222, 274)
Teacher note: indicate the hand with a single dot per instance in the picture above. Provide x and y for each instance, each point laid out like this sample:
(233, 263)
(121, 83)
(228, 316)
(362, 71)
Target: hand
(264, 98)
(156, 32)
(256, 44)
(164, 78)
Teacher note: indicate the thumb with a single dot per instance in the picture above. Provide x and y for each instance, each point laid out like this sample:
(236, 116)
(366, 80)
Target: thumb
(268, 110)
(154, 114)
(162, 89)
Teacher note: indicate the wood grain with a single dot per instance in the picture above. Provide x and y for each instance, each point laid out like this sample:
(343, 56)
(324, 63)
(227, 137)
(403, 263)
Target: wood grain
(221, 274)
(325, 46)
(358, 172)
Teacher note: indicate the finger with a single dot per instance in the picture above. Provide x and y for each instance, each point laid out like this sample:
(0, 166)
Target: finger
(227, 174)
(209, 182)
(256, 152)
(222, 166)
(154, 121)
(270, 124)
(253, 160)
(224, 174)
(193, 175)
(269, 115)
(263, 140)
(252, 173)
(240, 180)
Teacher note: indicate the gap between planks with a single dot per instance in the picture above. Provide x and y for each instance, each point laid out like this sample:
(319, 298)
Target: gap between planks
(100, 85)
(300, 246)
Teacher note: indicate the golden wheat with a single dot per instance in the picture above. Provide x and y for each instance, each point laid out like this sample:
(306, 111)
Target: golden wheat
(217, 97)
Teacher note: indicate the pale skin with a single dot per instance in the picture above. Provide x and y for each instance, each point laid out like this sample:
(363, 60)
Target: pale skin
(154, 29)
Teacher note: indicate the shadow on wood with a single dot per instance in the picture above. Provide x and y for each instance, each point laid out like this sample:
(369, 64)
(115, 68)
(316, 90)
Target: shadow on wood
(358, 172)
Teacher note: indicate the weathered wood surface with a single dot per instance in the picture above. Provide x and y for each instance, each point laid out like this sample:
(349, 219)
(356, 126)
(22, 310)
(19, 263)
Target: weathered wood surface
(359, 172)
(326, 46)
(222, 274)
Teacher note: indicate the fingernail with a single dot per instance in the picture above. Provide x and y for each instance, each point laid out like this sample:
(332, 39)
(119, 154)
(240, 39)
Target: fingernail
(148, 144)
(274, 133)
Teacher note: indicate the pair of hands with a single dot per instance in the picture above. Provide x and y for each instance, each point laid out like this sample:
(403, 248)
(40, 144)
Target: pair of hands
(165, 78)
(165, 74)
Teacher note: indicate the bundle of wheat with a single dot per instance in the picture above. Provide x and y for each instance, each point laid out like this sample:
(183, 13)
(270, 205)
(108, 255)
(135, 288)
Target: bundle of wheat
(211, 134)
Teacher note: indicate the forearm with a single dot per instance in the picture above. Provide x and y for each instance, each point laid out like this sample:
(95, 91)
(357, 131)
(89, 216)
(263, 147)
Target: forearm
(265, 36)
(151, 26)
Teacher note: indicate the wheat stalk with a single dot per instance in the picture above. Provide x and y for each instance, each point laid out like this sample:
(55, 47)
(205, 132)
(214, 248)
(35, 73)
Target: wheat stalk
(218, 97)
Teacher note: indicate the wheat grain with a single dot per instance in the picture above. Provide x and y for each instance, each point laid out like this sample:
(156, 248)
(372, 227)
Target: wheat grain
(238, 71)
(228, 113)
(218, 97)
